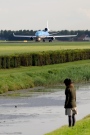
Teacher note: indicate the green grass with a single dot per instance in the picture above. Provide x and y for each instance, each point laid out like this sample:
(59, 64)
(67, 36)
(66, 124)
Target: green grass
(82, 127)
(7, 48)
(26, 77)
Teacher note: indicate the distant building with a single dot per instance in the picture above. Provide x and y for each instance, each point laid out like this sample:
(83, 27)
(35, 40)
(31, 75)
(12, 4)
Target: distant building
(84, 38)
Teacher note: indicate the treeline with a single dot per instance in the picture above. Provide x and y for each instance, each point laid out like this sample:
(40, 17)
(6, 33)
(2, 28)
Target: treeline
(8, 34)
(43, 58)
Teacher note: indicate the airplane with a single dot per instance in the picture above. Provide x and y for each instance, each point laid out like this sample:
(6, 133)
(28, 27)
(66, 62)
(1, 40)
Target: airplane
(43, 35)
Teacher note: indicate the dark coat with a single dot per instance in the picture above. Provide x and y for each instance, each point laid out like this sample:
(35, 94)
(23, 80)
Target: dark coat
(70, 93)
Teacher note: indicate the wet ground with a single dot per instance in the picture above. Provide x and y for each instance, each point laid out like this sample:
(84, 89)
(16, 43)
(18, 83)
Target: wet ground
(39, 113)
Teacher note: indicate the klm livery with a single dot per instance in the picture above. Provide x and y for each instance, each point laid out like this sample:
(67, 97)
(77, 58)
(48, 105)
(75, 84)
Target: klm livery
(44, 34)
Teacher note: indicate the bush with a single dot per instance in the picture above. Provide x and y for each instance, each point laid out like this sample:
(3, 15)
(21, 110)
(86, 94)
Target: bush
(43, 58)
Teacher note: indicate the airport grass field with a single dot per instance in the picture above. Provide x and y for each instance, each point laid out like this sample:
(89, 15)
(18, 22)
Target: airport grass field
(7, 48)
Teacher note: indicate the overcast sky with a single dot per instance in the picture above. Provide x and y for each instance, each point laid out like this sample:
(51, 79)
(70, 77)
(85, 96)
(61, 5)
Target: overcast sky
(33, 14)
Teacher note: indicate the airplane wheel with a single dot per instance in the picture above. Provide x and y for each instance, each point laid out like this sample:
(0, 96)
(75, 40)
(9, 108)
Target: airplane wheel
(43, 40)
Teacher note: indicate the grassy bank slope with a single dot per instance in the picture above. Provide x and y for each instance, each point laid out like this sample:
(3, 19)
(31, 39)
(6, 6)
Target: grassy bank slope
(82, 128)
(26, 77)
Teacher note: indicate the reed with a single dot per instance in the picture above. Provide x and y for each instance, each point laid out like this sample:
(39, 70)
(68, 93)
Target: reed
(27, 77)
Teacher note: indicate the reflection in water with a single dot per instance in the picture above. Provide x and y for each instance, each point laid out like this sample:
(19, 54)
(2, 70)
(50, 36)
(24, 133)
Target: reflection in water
(39, 114)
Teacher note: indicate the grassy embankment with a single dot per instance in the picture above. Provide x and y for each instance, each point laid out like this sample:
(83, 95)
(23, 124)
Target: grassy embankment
(82, 128)
(26, 77)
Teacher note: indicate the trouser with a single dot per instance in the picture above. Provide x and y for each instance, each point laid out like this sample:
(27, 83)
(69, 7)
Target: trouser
(71, 120)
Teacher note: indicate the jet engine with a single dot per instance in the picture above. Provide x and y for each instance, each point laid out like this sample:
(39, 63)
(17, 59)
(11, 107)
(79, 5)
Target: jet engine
(52, 38)
(46, 29)
(31, 38)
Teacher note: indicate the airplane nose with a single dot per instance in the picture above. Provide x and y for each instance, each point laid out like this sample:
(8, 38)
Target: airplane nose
(39, 34)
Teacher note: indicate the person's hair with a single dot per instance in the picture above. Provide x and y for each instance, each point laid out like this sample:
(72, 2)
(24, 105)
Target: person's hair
(67, 81)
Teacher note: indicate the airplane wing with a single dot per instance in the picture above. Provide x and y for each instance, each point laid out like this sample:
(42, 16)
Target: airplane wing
(54, 33)
(23, 36)
(63, 35)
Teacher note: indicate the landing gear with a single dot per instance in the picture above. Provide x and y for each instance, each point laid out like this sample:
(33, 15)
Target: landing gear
(50, 40)
(43, 40)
